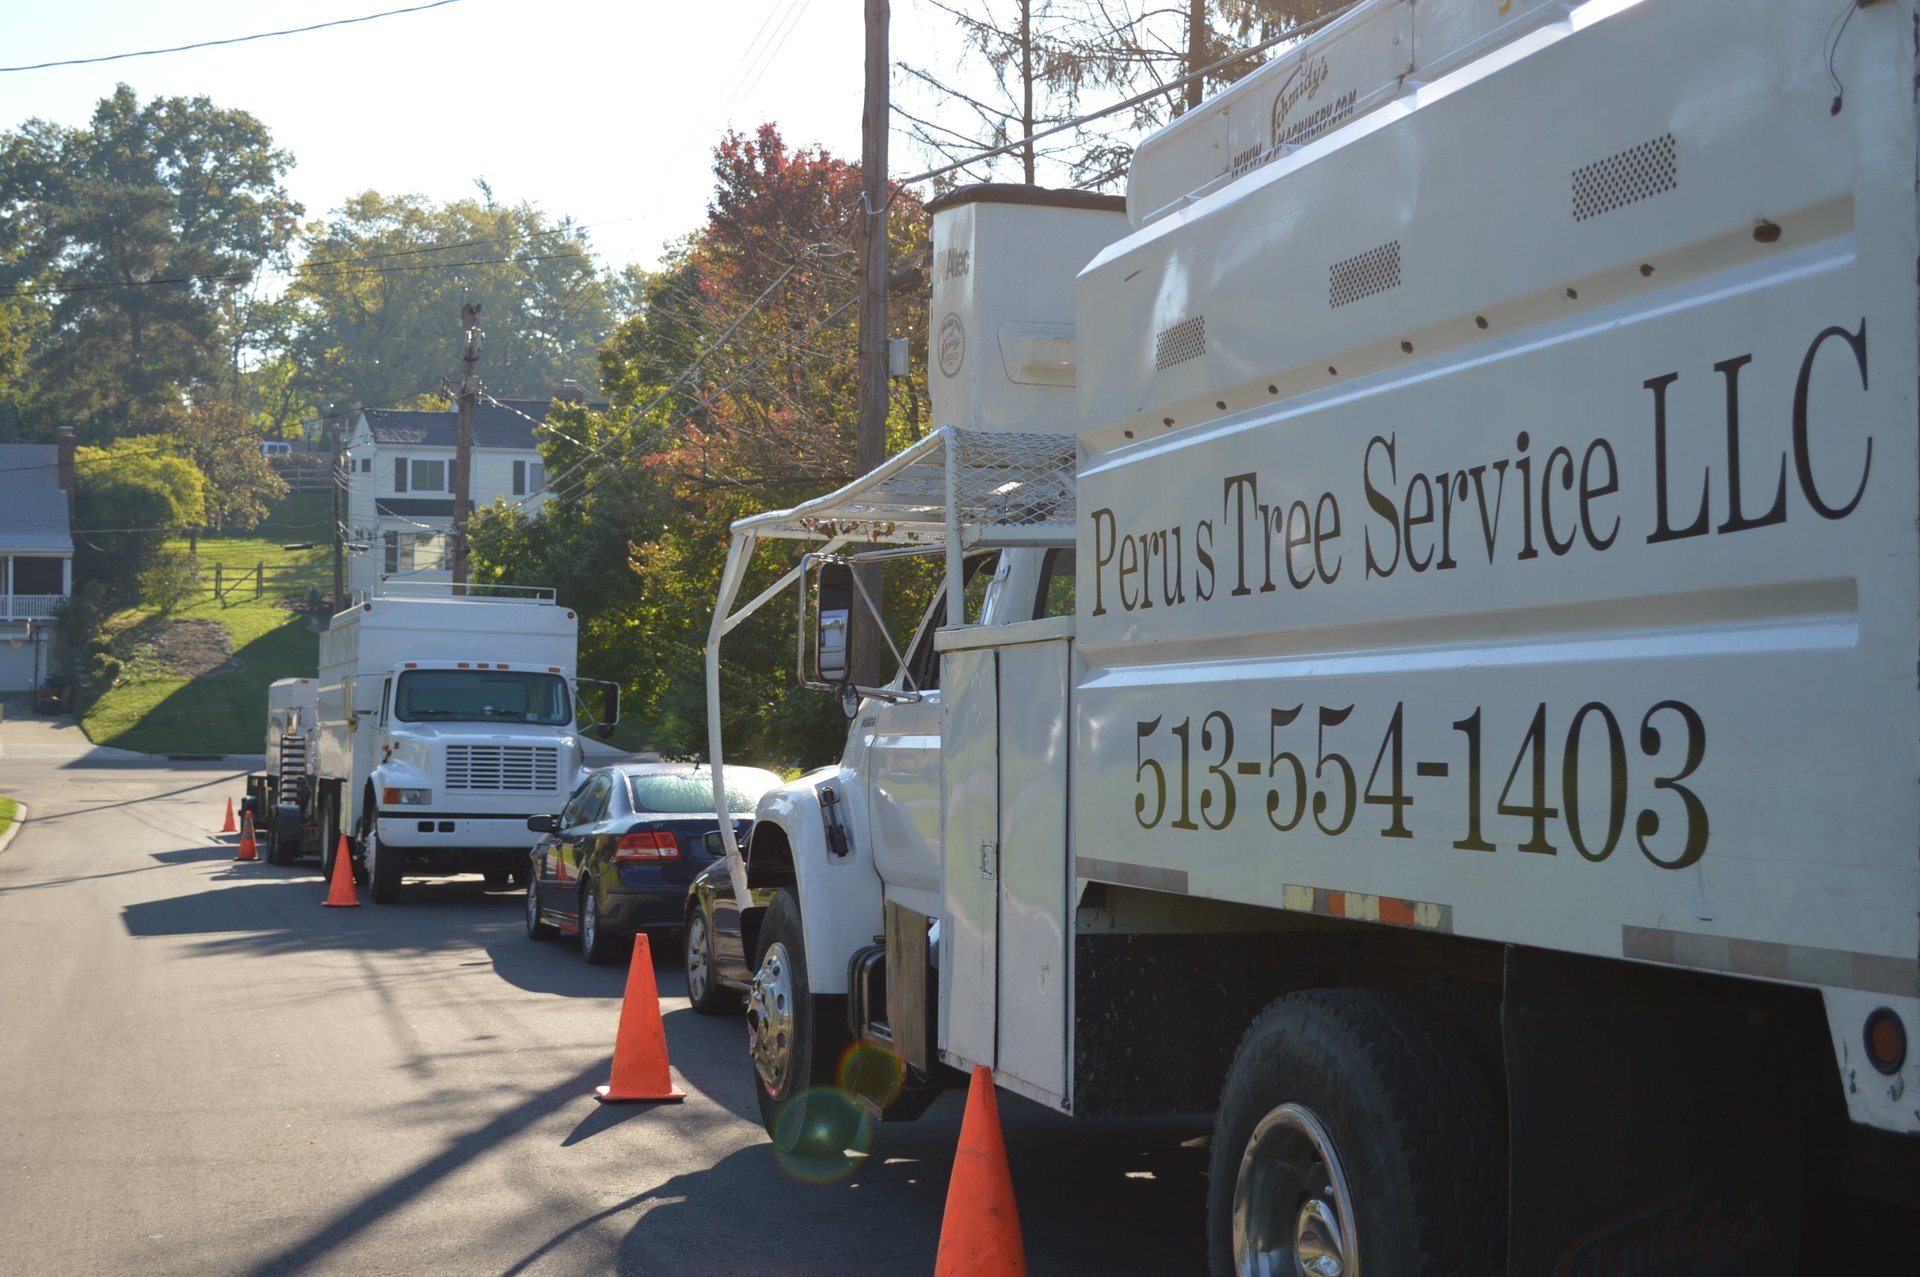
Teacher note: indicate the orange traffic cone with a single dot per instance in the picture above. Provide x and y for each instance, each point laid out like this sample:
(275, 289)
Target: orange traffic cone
(248, 850)
(640, 1049)
(340, 891)
(980, 1232)
(229, 826)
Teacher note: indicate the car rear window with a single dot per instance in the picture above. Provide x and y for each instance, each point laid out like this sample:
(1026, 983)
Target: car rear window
(691, 793)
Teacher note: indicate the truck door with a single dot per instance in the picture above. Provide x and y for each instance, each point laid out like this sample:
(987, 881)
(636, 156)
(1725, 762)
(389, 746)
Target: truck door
(1003, 966)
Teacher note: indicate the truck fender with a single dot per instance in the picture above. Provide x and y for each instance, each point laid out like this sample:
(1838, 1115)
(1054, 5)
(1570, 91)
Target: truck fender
(839, 893)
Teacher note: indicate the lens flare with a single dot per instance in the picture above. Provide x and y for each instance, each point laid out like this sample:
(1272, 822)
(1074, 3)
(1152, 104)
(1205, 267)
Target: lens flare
(822, 1135)
(874, 1072)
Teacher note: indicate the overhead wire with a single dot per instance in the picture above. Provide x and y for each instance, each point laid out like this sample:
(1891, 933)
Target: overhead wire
(239, 39)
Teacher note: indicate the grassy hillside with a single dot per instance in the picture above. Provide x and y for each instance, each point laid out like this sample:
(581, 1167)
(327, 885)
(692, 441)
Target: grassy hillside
(196, 682)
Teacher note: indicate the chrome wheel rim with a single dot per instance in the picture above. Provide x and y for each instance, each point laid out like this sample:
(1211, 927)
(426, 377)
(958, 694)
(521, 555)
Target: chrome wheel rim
(770, 1021)
(533, 903)
(1292, 1209)
(696, 956)
(589, 920)
(370, 852)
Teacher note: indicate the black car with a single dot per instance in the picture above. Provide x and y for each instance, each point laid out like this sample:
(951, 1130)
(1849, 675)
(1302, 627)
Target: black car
(719, 968)
(619, 859)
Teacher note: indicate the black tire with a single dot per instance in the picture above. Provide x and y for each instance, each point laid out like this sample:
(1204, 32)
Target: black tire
(1409, 1118)
(497, 879)
(537, 927)
(597, 945)
(705, 993)
(798, 1106)
(329, 833)
(380, 867)
(283, 836)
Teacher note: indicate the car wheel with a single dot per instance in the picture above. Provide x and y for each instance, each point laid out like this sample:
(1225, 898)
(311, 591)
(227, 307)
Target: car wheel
(1350, 1122)
(383, 867)
(538, 928)
(597, 945)
(794, 1048)
(704, 990)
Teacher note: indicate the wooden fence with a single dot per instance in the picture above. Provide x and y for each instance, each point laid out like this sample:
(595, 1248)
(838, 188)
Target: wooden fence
(283, 579)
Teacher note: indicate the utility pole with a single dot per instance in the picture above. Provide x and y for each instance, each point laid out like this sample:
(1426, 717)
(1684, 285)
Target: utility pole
(871, 447)
(463, 447)
(339, 482)
(1197, 32)
(1026, 84)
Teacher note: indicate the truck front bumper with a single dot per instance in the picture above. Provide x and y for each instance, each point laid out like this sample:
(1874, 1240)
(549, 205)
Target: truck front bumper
(429, 830)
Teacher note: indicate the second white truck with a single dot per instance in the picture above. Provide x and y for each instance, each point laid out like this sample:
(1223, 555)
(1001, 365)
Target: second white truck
(443, 724)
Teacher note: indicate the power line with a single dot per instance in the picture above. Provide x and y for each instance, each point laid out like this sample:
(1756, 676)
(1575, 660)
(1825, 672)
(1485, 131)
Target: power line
(239, 39)
(64, 290)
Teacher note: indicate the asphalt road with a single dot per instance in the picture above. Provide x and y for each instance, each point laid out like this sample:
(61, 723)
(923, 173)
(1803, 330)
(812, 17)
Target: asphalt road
(203, 1071)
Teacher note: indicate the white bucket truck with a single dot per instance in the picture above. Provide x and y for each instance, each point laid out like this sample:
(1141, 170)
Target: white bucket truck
(1475, 752)
(444, 723)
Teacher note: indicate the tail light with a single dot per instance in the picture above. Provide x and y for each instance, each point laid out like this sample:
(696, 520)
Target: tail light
(648, 844)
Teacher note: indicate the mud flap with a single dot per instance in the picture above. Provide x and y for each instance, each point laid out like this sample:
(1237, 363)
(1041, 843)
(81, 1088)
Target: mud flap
(1621, 1160)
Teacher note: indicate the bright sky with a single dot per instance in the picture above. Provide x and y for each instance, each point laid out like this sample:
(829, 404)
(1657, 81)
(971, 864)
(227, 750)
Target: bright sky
(604, 110)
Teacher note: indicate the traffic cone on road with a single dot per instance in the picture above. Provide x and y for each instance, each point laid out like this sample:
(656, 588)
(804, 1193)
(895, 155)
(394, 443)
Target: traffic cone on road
(229, 826)
(640, 1049)
(980, 1232)
(340, 891)
(248, 850)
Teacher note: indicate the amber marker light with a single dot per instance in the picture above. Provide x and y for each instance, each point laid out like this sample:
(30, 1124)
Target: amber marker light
(1886, 1040)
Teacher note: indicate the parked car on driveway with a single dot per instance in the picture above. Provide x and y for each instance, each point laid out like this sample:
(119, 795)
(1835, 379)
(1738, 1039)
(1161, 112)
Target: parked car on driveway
(619, 858)
(719, 968)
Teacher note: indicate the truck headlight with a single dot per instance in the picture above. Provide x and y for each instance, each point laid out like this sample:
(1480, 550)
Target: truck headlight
(406, 797)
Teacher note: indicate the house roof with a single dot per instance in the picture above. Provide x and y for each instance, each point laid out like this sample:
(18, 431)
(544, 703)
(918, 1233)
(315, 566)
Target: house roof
(494, 426)
(33, 509)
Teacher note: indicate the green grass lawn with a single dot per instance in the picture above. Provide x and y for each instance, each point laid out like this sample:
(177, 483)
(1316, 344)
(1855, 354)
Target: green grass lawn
(159, 711)
(8, 809)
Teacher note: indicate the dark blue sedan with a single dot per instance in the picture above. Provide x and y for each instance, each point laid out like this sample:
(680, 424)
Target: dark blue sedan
(619, 858)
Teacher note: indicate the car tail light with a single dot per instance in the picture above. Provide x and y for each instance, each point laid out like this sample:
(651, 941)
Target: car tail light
(648, 844)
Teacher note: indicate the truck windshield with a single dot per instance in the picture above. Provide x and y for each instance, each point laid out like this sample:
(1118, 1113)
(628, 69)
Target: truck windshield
(493, 696)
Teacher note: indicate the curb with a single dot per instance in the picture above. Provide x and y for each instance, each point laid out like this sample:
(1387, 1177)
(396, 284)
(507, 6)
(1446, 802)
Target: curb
(13, 830)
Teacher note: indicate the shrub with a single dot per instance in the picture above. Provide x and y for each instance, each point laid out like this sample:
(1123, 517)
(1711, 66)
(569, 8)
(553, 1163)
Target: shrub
(170, 581)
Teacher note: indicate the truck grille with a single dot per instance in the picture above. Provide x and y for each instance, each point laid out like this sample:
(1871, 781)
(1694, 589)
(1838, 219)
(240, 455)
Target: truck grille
(503, 768)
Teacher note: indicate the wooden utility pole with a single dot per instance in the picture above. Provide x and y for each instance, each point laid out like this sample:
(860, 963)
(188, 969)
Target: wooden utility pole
(1197, 32)
(337, 487)
(463, 445)
(871, 446)
(1026, 84)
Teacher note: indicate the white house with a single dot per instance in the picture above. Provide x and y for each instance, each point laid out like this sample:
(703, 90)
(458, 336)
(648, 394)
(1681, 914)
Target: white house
(36, 555)
(400, 484)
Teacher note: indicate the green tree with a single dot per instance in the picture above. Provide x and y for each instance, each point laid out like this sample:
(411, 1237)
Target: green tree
(137, 233)
(734, 389)
(223, 443)
(379, 290)
(131, 496)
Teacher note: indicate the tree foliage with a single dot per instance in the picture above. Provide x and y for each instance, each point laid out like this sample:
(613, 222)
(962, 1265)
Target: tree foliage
(129, 243)
(131, 496)
(734, 390)
(377, 300)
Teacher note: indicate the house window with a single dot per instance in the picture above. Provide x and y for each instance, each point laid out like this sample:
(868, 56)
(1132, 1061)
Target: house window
(393, 552)
(428, 476)
(528, 476)
(366, 465)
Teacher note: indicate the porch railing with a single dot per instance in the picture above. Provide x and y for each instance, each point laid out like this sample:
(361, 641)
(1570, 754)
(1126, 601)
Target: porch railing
(29, 607)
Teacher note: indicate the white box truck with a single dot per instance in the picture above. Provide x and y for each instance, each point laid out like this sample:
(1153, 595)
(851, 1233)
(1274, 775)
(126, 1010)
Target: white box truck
(443, 724)
(1437, 682)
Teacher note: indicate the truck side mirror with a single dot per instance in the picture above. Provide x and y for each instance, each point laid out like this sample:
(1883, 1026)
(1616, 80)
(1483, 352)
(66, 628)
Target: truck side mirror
(609, 709)
(833, 629)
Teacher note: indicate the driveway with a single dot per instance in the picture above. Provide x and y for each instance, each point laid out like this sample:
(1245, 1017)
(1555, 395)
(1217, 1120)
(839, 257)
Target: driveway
(25, 735)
